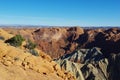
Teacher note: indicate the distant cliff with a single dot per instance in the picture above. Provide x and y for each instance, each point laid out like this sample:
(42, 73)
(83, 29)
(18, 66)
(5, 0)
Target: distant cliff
(58, 41)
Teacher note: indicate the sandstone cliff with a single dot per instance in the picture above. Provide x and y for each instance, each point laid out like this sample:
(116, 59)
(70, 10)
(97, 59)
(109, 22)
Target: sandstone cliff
(18, 64)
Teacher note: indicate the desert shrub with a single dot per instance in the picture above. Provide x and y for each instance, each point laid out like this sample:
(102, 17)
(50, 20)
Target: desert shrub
(15, 41)
(2, 38)
(34, 52)
(30, 45)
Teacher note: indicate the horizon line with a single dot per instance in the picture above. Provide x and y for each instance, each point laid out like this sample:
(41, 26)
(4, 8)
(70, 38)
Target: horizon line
(15, 25)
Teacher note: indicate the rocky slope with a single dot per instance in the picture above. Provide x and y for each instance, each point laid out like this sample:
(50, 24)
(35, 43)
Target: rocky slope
(90, 54)
(18, 64)
(53, 41)
(91, 64)
(4, 35)
(26, 32)
(108, 40)
(57, 41)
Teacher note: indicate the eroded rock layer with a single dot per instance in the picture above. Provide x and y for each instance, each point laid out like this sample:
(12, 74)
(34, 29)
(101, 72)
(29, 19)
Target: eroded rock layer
(91, 64)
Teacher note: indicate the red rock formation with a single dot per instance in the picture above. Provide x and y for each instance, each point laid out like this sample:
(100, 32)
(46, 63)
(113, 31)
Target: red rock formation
(57, 41)
(107, 40)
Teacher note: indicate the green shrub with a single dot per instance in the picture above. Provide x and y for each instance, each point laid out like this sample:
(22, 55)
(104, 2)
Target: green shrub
(34, 52)
(30, 45)
(15, 41)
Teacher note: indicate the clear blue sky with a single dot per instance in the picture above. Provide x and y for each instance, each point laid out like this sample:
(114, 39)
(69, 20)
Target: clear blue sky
(61, 12)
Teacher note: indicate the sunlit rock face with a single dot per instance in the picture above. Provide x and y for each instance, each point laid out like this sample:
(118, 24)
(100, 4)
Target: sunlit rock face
(17, 63)
(57, 41)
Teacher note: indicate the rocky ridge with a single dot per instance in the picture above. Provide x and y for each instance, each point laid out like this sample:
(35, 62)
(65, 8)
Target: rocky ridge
(91, 64)
(17, 63)
(89, 54)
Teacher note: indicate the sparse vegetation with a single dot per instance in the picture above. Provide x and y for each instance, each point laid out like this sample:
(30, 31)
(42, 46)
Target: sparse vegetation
(15, 41)
(34, 52)
(30, 45)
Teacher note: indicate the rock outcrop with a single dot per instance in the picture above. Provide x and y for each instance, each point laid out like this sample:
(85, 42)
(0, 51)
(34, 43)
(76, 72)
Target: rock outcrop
(114, 67)
(84, 56)
(91, 64)
(57, 41)
(108, 40)
(19, 64)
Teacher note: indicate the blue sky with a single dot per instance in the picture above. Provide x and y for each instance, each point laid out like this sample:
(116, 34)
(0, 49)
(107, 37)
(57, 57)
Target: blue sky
(60, 12)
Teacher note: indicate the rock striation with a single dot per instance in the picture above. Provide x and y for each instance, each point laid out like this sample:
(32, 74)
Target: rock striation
(91, 64)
